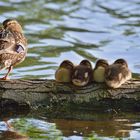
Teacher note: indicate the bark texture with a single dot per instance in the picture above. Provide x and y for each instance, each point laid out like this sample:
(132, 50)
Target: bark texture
(45, 92)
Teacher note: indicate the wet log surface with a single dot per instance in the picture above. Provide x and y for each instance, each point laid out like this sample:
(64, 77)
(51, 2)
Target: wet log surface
(35, 92)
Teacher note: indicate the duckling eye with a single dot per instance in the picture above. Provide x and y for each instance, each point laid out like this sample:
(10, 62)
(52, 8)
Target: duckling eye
(19, 48)
(86, 75)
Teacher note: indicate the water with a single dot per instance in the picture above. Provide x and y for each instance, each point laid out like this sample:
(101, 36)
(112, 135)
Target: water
(75, 30)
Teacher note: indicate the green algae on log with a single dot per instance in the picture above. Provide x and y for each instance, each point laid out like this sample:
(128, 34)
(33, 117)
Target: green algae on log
(46, 92)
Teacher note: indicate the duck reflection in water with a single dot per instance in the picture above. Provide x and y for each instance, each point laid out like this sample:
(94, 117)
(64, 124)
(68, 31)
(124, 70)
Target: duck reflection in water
(12, 135)
(11, 109)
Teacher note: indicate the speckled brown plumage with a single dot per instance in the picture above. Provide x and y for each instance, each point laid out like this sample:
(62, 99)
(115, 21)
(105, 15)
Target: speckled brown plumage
(13, 45)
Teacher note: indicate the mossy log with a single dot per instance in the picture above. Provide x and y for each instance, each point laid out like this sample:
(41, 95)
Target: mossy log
(36, 92)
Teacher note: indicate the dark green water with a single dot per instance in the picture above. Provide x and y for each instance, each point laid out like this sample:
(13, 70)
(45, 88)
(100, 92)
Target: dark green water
(75, 30)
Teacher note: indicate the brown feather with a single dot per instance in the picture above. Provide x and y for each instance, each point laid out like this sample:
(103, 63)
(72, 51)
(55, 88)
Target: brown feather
(13, 44)
(117, 74)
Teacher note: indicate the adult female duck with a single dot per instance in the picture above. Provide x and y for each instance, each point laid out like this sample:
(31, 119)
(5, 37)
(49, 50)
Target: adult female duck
(13, 45)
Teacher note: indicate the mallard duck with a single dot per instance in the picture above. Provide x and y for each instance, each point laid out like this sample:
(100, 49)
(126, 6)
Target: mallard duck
(13, 45)
(99, 70)
(117, 73)
(82, 74)
(64, 72)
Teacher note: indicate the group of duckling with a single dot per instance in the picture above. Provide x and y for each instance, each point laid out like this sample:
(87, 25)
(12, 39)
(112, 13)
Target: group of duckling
(113, 75)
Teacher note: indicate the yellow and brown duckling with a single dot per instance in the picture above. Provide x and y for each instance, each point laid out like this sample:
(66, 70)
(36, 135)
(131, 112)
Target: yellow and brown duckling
(13, 45)
(82, 74)
(99, 70)
(64, 72)
(117, 73)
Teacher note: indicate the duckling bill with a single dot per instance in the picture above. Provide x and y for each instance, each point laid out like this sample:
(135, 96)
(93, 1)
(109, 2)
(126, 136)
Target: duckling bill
(64, 72)
(13, 45)
(117, 73)
(99, 70)
(82, 74)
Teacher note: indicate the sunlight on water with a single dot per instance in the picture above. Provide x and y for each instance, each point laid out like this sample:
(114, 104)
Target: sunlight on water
(75, 30)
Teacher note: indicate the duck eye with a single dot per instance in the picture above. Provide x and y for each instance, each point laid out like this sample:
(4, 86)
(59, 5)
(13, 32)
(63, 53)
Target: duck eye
(19, 48)
(86, 75)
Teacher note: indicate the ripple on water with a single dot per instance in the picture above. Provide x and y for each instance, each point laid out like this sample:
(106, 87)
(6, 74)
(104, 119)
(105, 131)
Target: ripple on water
(110, 28)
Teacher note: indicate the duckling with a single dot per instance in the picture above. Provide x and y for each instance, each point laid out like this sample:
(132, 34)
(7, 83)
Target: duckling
(13, 45)
(82, 74)
(99, 70)
(117, 73)
(64, 72)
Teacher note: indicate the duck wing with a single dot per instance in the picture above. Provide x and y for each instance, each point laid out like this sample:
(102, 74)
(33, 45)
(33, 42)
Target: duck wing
(6, 39)
(13, 48)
